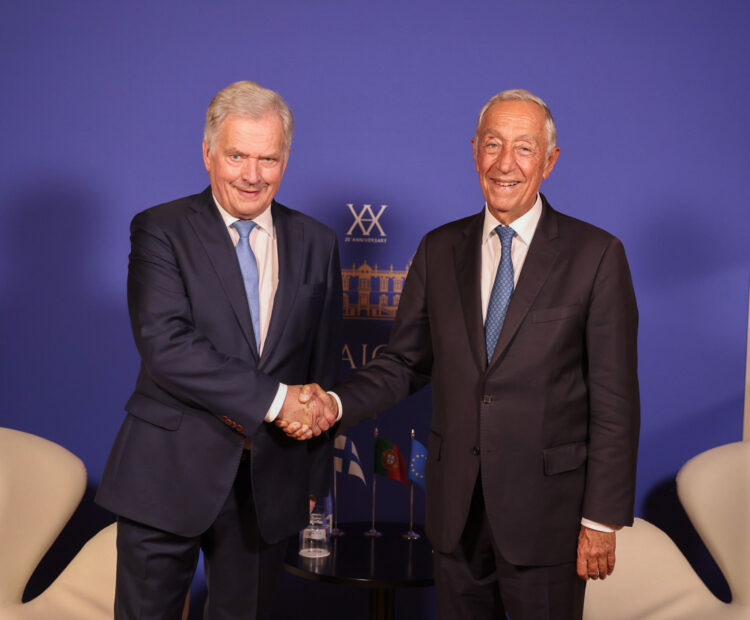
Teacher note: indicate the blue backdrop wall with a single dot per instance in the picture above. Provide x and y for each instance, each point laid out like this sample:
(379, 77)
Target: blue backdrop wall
(102, 114)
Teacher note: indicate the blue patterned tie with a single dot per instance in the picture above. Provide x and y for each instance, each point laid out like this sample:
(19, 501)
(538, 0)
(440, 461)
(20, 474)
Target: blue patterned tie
(249, 269)
(502, 290)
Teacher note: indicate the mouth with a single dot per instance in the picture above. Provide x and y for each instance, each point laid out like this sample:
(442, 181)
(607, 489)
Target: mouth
(505, 184)
(248, 192)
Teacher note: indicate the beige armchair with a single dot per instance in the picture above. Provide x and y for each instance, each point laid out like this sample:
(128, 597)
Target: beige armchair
(654, 581)
(714, 488)
(41, 484)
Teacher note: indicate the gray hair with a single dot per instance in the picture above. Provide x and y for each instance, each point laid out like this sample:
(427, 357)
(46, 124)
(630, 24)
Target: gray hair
(250, 100)
(518, 94)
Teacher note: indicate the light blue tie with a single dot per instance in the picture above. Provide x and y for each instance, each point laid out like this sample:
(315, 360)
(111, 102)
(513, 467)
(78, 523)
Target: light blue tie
(249, 268)
(502, 290)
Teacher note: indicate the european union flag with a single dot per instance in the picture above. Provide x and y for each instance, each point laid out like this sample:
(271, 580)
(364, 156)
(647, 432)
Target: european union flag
(417, 462)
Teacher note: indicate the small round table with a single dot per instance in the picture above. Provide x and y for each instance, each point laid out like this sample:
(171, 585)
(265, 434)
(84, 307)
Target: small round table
(381, 564)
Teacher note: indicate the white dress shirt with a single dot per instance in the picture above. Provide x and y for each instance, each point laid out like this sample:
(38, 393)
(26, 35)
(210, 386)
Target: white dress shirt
(524, 228)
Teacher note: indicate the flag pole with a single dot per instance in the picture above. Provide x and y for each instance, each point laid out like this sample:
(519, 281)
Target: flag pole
(372, 532)
(411, 534)
(335, 531)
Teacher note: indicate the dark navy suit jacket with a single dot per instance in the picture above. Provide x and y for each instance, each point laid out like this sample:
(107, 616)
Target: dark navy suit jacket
(202, 387)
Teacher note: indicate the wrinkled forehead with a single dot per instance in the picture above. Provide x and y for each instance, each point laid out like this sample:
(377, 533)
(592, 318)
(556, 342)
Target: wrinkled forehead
(238, 129)
(524, 117)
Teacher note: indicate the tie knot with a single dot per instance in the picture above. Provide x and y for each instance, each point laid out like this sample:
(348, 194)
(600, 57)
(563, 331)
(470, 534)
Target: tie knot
(505, 233)
(244, 227)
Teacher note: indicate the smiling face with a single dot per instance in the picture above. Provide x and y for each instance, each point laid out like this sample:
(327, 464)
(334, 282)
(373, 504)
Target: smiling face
(510, 155)
(246, 163)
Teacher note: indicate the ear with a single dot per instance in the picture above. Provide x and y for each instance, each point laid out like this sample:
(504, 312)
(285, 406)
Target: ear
(551, 161)
(286, 161)
(474, 153)
(206, 156)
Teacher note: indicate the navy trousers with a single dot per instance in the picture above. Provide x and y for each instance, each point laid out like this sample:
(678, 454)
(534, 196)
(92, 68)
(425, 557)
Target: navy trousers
(155, 568)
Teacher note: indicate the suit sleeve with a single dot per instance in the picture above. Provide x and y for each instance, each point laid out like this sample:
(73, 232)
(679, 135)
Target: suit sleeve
(324, 369)
(405, 364)
(178, 357)
(614, 400)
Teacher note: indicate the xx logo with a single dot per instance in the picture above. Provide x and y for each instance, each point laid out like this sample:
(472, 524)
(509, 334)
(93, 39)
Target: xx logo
(366, 220)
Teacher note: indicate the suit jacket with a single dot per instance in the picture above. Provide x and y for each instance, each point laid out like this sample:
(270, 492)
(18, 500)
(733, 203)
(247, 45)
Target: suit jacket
(552, 421)
(202, 386)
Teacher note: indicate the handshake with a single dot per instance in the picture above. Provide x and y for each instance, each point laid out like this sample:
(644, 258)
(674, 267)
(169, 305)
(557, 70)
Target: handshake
(308, 410)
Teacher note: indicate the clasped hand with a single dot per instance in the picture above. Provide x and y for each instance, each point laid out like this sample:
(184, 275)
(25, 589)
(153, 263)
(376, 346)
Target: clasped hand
(307, 411)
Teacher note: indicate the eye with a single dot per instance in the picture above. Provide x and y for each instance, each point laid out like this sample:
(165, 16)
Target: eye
(235, 157)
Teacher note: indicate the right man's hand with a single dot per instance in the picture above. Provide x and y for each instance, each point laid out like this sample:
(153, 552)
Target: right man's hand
(307, 411)
(304, 413)
(596, 554)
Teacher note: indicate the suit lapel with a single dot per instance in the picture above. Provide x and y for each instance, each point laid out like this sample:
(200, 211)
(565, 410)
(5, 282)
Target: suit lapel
(289, 242)
(467, 254)
(541, 256)
(212, 233)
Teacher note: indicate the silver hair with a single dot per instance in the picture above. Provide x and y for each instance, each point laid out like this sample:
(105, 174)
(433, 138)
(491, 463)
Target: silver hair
(250, 100)
(519, 94)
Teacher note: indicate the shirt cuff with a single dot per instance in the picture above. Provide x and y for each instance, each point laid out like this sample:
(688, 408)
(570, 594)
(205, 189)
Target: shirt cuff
(338, 404)
(595, 525)
(277, 403)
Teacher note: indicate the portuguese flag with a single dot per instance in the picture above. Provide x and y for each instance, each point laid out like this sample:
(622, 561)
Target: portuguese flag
(389, 462)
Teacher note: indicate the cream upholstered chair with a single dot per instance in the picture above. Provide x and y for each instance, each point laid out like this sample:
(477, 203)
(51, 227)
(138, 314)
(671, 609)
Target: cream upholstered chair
(714, 488)
(84, 590)
(41, 484)
(654, 581)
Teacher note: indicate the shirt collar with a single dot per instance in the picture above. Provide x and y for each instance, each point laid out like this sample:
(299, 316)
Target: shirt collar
(264, 221)
(524, 226)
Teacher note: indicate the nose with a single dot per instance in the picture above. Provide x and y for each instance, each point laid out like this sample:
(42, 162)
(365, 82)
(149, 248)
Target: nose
(506, 160)
(251, 170)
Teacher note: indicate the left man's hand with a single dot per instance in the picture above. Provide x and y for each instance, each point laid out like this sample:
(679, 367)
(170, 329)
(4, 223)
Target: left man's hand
(596, 554)
(311, 397)
(304, 416)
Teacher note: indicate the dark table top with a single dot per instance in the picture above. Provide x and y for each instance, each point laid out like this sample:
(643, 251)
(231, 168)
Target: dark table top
(389, 561)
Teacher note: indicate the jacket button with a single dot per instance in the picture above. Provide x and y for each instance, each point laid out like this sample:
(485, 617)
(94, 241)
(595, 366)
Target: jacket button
(475, 451)
(486, 399)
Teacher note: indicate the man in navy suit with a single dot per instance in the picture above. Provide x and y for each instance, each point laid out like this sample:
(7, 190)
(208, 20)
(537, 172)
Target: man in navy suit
(198, 463)
(525, 322)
